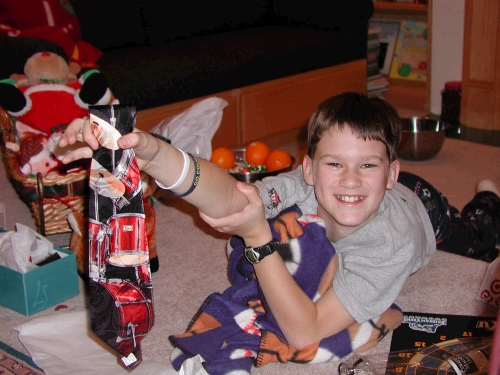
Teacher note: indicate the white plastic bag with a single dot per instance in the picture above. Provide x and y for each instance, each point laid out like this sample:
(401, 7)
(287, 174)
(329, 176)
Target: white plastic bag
(193, 129)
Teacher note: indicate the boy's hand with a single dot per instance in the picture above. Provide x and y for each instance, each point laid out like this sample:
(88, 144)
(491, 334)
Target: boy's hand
(249, 223)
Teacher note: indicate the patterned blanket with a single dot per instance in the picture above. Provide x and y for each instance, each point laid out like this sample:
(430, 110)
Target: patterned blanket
(236, 330)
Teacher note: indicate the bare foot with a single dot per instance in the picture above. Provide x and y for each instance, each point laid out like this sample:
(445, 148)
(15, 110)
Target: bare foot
(487, 185)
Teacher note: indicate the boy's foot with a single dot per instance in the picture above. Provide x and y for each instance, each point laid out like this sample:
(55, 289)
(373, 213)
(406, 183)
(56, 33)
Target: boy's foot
(487, 185)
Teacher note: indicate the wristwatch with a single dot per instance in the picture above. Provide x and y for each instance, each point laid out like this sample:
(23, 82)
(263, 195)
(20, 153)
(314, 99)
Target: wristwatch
(256, 254)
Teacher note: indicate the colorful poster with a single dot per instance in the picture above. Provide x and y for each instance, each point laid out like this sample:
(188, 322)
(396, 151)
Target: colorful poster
(410, 53)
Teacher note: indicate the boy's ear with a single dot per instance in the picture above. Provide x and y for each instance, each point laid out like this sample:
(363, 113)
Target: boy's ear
(307, 169)
(393, 174)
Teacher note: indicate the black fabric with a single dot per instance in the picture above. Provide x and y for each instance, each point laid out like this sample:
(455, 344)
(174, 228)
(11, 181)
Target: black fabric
(324, 14)
(169, 20)
(110, 24)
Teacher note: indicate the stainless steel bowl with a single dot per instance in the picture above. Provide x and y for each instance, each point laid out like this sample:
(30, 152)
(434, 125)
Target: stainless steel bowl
(422, 138)
(250, 177)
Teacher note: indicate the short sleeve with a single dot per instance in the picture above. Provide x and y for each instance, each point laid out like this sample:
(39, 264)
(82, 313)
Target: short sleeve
(285, 190)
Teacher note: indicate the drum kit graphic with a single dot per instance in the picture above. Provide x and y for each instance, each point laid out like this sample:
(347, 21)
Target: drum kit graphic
(121, 304)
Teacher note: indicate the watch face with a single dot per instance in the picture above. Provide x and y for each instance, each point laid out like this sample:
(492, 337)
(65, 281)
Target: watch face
(251, 255)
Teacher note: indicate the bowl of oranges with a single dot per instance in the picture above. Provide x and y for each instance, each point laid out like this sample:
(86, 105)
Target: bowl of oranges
(253, 162)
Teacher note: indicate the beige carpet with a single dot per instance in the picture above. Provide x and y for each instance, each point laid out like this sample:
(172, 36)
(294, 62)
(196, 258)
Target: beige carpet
(192, 259)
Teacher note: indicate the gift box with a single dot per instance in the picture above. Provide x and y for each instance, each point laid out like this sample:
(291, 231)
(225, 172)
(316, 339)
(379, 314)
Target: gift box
(40, 288)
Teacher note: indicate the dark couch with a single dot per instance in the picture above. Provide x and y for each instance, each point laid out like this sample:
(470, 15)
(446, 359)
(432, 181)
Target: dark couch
(158, 54)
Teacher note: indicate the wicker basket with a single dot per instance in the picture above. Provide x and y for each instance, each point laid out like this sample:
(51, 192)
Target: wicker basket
(50, 198)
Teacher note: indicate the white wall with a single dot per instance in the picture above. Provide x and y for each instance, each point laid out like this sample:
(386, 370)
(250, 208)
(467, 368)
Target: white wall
(447, 30)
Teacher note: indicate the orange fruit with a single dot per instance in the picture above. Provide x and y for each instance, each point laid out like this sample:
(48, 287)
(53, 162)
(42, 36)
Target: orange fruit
(256, 153)
(278, 159)
(223, 157)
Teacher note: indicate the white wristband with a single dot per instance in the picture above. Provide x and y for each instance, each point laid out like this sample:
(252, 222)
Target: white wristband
(184, 173)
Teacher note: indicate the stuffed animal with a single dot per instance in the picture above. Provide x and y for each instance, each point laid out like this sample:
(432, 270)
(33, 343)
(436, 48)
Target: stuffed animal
(44, 101)
(48, 97)
(79, 225)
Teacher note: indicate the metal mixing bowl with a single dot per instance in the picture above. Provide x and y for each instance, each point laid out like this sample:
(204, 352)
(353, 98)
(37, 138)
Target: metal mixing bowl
(250, 177)
(422, 138)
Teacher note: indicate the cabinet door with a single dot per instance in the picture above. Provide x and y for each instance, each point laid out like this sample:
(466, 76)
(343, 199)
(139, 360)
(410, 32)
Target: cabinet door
(480, 107)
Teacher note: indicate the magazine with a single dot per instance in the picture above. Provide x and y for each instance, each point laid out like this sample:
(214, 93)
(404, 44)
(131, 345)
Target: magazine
(410, 53)
(426, 343)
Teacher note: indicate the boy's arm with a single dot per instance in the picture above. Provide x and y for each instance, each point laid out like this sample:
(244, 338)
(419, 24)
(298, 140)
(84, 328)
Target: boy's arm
(215, 193)
(302, 321)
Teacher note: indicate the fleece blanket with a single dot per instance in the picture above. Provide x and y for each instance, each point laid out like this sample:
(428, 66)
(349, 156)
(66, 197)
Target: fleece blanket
(236, 330)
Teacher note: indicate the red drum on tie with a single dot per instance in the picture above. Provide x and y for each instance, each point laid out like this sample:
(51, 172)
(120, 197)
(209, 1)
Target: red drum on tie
(129, 244)
(134, 311)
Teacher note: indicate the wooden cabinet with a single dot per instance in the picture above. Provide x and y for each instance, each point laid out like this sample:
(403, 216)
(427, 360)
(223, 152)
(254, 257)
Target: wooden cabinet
(480, 107)
(405, 93)
(275, 111)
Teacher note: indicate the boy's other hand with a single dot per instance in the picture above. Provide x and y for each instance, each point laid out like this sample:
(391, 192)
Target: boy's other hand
(249, 223)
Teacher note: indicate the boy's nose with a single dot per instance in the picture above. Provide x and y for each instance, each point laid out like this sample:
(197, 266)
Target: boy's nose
(350, 179)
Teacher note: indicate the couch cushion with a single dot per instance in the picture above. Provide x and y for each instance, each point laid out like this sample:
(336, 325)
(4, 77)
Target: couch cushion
(110, 24)
(204, 65)
(168, 20)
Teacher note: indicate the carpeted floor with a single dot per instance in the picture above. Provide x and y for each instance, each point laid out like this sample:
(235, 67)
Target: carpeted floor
(193, 262)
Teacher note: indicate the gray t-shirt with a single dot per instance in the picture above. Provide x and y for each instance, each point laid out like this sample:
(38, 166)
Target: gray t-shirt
(376, 260)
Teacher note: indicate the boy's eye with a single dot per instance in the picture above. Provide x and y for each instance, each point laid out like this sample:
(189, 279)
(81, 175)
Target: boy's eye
(336, 165)
(368, 166)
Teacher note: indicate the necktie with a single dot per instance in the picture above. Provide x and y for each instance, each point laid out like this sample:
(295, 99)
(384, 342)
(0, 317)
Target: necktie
(121, 299)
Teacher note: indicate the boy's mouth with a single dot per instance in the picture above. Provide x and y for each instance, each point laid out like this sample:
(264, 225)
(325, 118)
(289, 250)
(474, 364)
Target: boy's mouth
(350, 198)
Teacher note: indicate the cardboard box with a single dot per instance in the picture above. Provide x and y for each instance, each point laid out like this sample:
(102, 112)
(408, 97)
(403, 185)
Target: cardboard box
(40, 288)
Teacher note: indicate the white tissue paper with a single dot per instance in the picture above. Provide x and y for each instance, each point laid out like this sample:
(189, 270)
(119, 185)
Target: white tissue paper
(192, 130)
(21, 250)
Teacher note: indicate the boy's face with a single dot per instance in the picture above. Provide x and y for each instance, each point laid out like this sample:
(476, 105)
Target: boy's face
(350, 177)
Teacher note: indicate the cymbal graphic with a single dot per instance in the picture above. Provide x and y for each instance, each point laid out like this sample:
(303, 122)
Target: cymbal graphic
(106, 134)
(104, 182)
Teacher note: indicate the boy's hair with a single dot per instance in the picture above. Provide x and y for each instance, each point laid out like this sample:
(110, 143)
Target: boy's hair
(369, 118)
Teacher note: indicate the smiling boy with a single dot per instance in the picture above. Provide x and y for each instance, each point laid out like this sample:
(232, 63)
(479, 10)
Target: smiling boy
(379, 228)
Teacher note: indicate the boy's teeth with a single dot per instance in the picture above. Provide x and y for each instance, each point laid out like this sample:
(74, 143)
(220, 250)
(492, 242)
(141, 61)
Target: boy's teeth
(349, 199)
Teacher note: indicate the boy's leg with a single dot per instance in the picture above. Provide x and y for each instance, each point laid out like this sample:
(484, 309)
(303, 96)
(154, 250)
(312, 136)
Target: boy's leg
(482, 218)
(472, 232)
